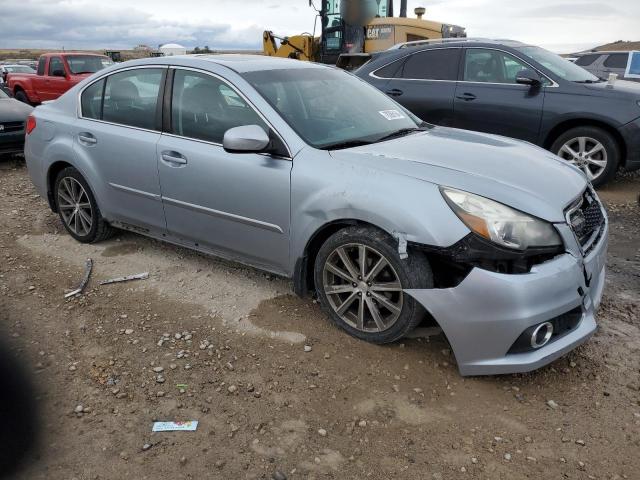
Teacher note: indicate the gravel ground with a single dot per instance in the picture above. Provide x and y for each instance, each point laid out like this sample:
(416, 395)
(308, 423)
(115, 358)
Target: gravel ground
(279, 392)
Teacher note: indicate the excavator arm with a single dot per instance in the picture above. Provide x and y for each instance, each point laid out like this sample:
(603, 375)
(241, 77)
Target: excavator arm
(299, 47)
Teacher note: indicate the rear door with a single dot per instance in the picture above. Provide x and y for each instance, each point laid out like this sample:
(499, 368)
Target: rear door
(235, 205)
(615, 63)
(116, 136)
(488, 99)
(425, 83)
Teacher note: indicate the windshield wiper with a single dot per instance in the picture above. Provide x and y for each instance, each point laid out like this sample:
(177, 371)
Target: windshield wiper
(398, 133)
(590, 81)
(346, 144)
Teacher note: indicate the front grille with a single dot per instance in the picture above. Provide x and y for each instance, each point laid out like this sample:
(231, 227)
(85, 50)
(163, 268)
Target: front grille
(7, 127)
(586, 219)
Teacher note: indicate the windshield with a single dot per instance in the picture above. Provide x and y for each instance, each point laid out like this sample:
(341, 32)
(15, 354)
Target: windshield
(562, 67)
(87, 63)
(19, 69)
(330, 108)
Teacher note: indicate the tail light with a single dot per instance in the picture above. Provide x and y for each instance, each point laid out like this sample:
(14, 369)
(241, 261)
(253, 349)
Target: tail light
(31, 124)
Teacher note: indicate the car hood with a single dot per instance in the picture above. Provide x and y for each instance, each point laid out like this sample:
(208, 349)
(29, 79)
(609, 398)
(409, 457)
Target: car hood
(509, 171)
(12, 110)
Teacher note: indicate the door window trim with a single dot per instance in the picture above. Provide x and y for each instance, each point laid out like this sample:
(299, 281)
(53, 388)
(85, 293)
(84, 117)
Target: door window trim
(114, 72)
(166, 119)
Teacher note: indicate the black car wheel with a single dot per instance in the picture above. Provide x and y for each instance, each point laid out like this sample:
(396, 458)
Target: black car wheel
(360, 280)
(21, 96)
(592, 149)
(78, 209)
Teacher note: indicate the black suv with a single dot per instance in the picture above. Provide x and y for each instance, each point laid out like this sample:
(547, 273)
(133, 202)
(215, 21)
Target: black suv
(517, 90)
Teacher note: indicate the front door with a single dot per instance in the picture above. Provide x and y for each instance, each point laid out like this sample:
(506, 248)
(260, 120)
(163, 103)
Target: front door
(55, 81)
(236, 205)
(117, 137)
(488, 99)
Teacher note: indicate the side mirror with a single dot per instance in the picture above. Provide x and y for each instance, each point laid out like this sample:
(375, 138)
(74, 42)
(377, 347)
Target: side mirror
(58, 73)
(526, 76)
(246, 139)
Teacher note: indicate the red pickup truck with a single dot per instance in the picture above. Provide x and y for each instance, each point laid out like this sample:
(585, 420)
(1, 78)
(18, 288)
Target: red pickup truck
(57, 73)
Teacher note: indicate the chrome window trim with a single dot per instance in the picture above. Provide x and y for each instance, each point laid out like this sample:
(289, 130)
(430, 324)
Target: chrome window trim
(241, 95)
(554, 84)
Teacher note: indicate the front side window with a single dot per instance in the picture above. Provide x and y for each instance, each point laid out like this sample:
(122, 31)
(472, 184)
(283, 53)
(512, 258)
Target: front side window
(331, 108)
(491, 66)
(55, 66)
(617, 60)
(204, 107)
(131, 98)
(437, 64)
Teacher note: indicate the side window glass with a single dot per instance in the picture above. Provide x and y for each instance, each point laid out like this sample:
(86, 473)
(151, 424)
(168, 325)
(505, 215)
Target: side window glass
(617, 60)
(491, 66)
(204, 107)
(586, 60)
(437, 64)
(131, 98)
(55, 65)
(91, 101)
(393, 70)
(41, 65)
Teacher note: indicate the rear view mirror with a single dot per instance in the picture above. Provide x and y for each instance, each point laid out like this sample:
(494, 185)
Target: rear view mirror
(58, 73)
(526, 76)
(246, 139)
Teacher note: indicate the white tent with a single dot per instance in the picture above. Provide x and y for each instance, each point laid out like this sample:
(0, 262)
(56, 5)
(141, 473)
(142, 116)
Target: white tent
(171, 49)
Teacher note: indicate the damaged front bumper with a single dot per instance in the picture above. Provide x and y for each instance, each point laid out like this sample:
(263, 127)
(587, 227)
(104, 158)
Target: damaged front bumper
(487, 312)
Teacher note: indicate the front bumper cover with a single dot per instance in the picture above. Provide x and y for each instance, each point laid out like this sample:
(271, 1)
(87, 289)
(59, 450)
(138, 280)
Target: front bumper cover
(484, 315)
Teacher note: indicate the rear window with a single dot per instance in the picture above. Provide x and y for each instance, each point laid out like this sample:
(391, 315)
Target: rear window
(617, 60)
(438, 64)
(41, 64)
(586, 60)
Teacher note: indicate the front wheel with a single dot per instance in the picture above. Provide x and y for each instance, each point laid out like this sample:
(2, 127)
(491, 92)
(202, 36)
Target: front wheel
(78, 208)
(360, 280)
(22, 97)
(592, 149)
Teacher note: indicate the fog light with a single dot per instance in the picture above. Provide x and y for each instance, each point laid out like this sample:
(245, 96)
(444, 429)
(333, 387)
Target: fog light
(541, 335)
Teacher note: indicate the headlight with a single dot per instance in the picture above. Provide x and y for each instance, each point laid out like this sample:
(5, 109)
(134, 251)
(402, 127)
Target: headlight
(500, 224)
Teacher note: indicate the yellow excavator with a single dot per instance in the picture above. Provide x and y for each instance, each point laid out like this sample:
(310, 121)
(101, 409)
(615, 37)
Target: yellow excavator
(353, 29)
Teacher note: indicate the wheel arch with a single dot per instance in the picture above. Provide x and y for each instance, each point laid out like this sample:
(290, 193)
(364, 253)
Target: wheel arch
(52, 173)
(566, 125)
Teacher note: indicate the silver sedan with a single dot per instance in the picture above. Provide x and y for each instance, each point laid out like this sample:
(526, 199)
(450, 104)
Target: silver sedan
(307, 172)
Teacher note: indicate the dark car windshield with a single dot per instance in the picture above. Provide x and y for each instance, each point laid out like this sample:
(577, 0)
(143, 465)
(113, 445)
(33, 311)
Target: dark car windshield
(562, 67)
(330, 108)
(87, 63)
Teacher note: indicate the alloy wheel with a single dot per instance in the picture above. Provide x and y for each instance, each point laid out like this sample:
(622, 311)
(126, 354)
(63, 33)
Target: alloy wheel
(74, 206)
(362, 287)
(586, 153)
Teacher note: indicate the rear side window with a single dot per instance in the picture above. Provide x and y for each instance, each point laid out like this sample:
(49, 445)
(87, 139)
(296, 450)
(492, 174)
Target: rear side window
(438, 64)
(204, 107)
(617, 60)
(41, 64)
(55, 65)
(392, 70)
(586, 60)
(92, 101)
(131, 98)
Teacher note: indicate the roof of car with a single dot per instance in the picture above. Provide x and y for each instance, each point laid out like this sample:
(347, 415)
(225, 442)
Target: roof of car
(241, 63)
(457, 41)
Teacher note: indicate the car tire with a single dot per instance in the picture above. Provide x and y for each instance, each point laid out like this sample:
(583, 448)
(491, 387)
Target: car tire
(78, 209)
(575, 146)
(21, 96)
(374, 315)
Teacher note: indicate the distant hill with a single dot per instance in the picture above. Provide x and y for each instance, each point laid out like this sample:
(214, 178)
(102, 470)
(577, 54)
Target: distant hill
(619, 45)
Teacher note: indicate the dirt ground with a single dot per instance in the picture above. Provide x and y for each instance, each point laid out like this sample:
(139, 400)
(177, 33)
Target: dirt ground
(216, 342)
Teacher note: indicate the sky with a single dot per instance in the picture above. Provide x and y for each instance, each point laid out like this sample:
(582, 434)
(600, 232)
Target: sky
(562, 25)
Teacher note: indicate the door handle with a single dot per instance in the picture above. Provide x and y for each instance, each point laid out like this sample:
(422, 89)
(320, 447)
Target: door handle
(174, 158)
(87, 138)
(467, 97)
(394, 92)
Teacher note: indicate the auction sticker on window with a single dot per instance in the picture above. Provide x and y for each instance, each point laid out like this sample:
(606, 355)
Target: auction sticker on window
(391, 114)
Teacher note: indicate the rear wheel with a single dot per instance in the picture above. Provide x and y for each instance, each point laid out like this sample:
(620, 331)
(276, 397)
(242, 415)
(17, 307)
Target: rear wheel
(361, 280)
(592, 149)
(78, 209)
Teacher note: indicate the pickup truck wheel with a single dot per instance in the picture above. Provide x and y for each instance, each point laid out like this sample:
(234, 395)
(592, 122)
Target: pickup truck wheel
(21, 96)
(360, 280)
(78, 209)
(592, 149)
